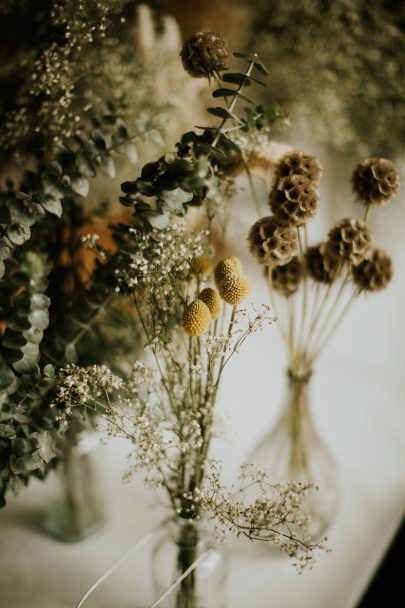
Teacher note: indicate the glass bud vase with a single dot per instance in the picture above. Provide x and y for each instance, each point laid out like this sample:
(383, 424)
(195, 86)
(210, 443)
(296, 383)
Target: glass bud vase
(293, 451)
(75, 507)
(182, 544)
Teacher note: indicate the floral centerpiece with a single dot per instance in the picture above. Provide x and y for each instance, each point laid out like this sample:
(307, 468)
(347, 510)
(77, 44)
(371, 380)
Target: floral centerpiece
(165, 405)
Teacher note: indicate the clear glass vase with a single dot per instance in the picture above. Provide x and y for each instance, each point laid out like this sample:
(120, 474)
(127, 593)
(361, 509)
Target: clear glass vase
(75, 507)
(186, 548)
(293, 450)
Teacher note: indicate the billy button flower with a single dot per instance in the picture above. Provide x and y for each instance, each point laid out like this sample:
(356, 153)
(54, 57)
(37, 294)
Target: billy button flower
(202, 265)
(196, 318)
(211, 298)
(226, 267)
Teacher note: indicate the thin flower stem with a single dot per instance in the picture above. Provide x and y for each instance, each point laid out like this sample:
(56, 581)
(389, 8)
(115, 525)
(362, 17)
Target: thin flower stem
(231, 106)
(162, 376)
(275, 308)
(322, 327)
(335, 325)
(366, 213)
(255, 197)
(299, 345)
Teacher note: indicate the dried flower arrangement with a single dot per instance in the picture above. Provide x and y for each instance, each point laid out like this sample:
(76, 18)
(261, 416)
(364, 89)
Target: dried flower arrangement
(333, 273)
(166, 407)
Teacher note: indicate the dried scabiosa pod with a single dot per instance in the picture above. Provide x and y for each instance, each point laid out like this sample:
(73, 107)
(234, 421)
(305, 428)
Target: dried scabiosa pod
(203, 54)
(349, 241)
(286, 279)
(375, 272)
(196, 318)
(375, 181)
(297, 162)
(211, 298)
(322, 264)
(294, 200)
(272, 244)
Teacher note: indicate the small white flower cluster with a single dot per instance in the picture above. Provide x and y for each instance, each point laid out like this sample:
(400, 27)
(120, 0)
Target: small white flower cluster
(263, 511)
(160, 258)
(91, 241)
(83, 386)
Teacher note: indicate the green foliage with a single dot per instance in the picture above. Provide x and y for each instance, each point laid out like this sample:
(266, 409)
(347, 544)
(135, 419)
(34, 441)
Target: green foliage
(195, 173)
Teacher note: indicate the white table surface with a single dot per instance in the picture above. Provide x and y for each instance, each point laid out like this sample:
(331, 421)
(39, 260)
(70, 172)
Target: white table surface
(358, 402)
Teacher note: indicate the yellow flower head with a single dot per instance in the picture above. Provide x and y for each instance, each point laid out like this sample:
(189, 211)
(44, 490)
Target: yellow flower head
(196, 318)
(211, 298)
(202, 265)
(234, 288)
(227, 267)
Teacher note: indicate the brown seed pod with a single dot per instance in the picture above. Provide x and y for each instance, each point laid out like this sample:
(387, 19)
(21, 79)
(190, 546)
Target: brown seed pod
(349, 241)
(211, 298)
(234, 288)
(375, 181)
(226, 267)
(196, 318)
(203, 54)
(272, 244)
(294, 200)
(301, 163)
(286, 279)
(322, 265)
(375, 272)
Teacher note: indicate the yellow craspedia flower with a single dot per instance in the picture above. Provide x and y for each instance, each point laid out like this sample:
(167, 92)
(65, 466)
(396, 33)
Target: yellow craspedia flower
(202, 265)
(234, 288)
(211, 298)
(227, 267)
(196, 318)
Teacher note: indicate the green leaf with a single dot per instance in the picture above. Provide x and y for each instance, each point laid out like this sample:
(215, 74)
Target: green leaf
(172, 201)
(231, 93)
(49, 371)
(33, 462)
(8, 381)
(220, 112)
(4, 249)
(39, 319)
(80, 186)
(2, 269)
(241, 79)
(253, 58)
(129, 187)
(18, 324)
(13, 340)
(129, 149)
(40, 300)
(70, 353)
(22, 418)
(18, 233)
(7, 430)
(107, 165)
(99, 140)
(46, 445)
(34, 335)
(52, 205)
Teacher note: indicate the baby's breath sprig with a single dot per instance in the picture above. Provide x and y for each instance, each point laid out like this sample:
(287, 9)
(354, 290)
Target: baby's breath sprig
(263, 511)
